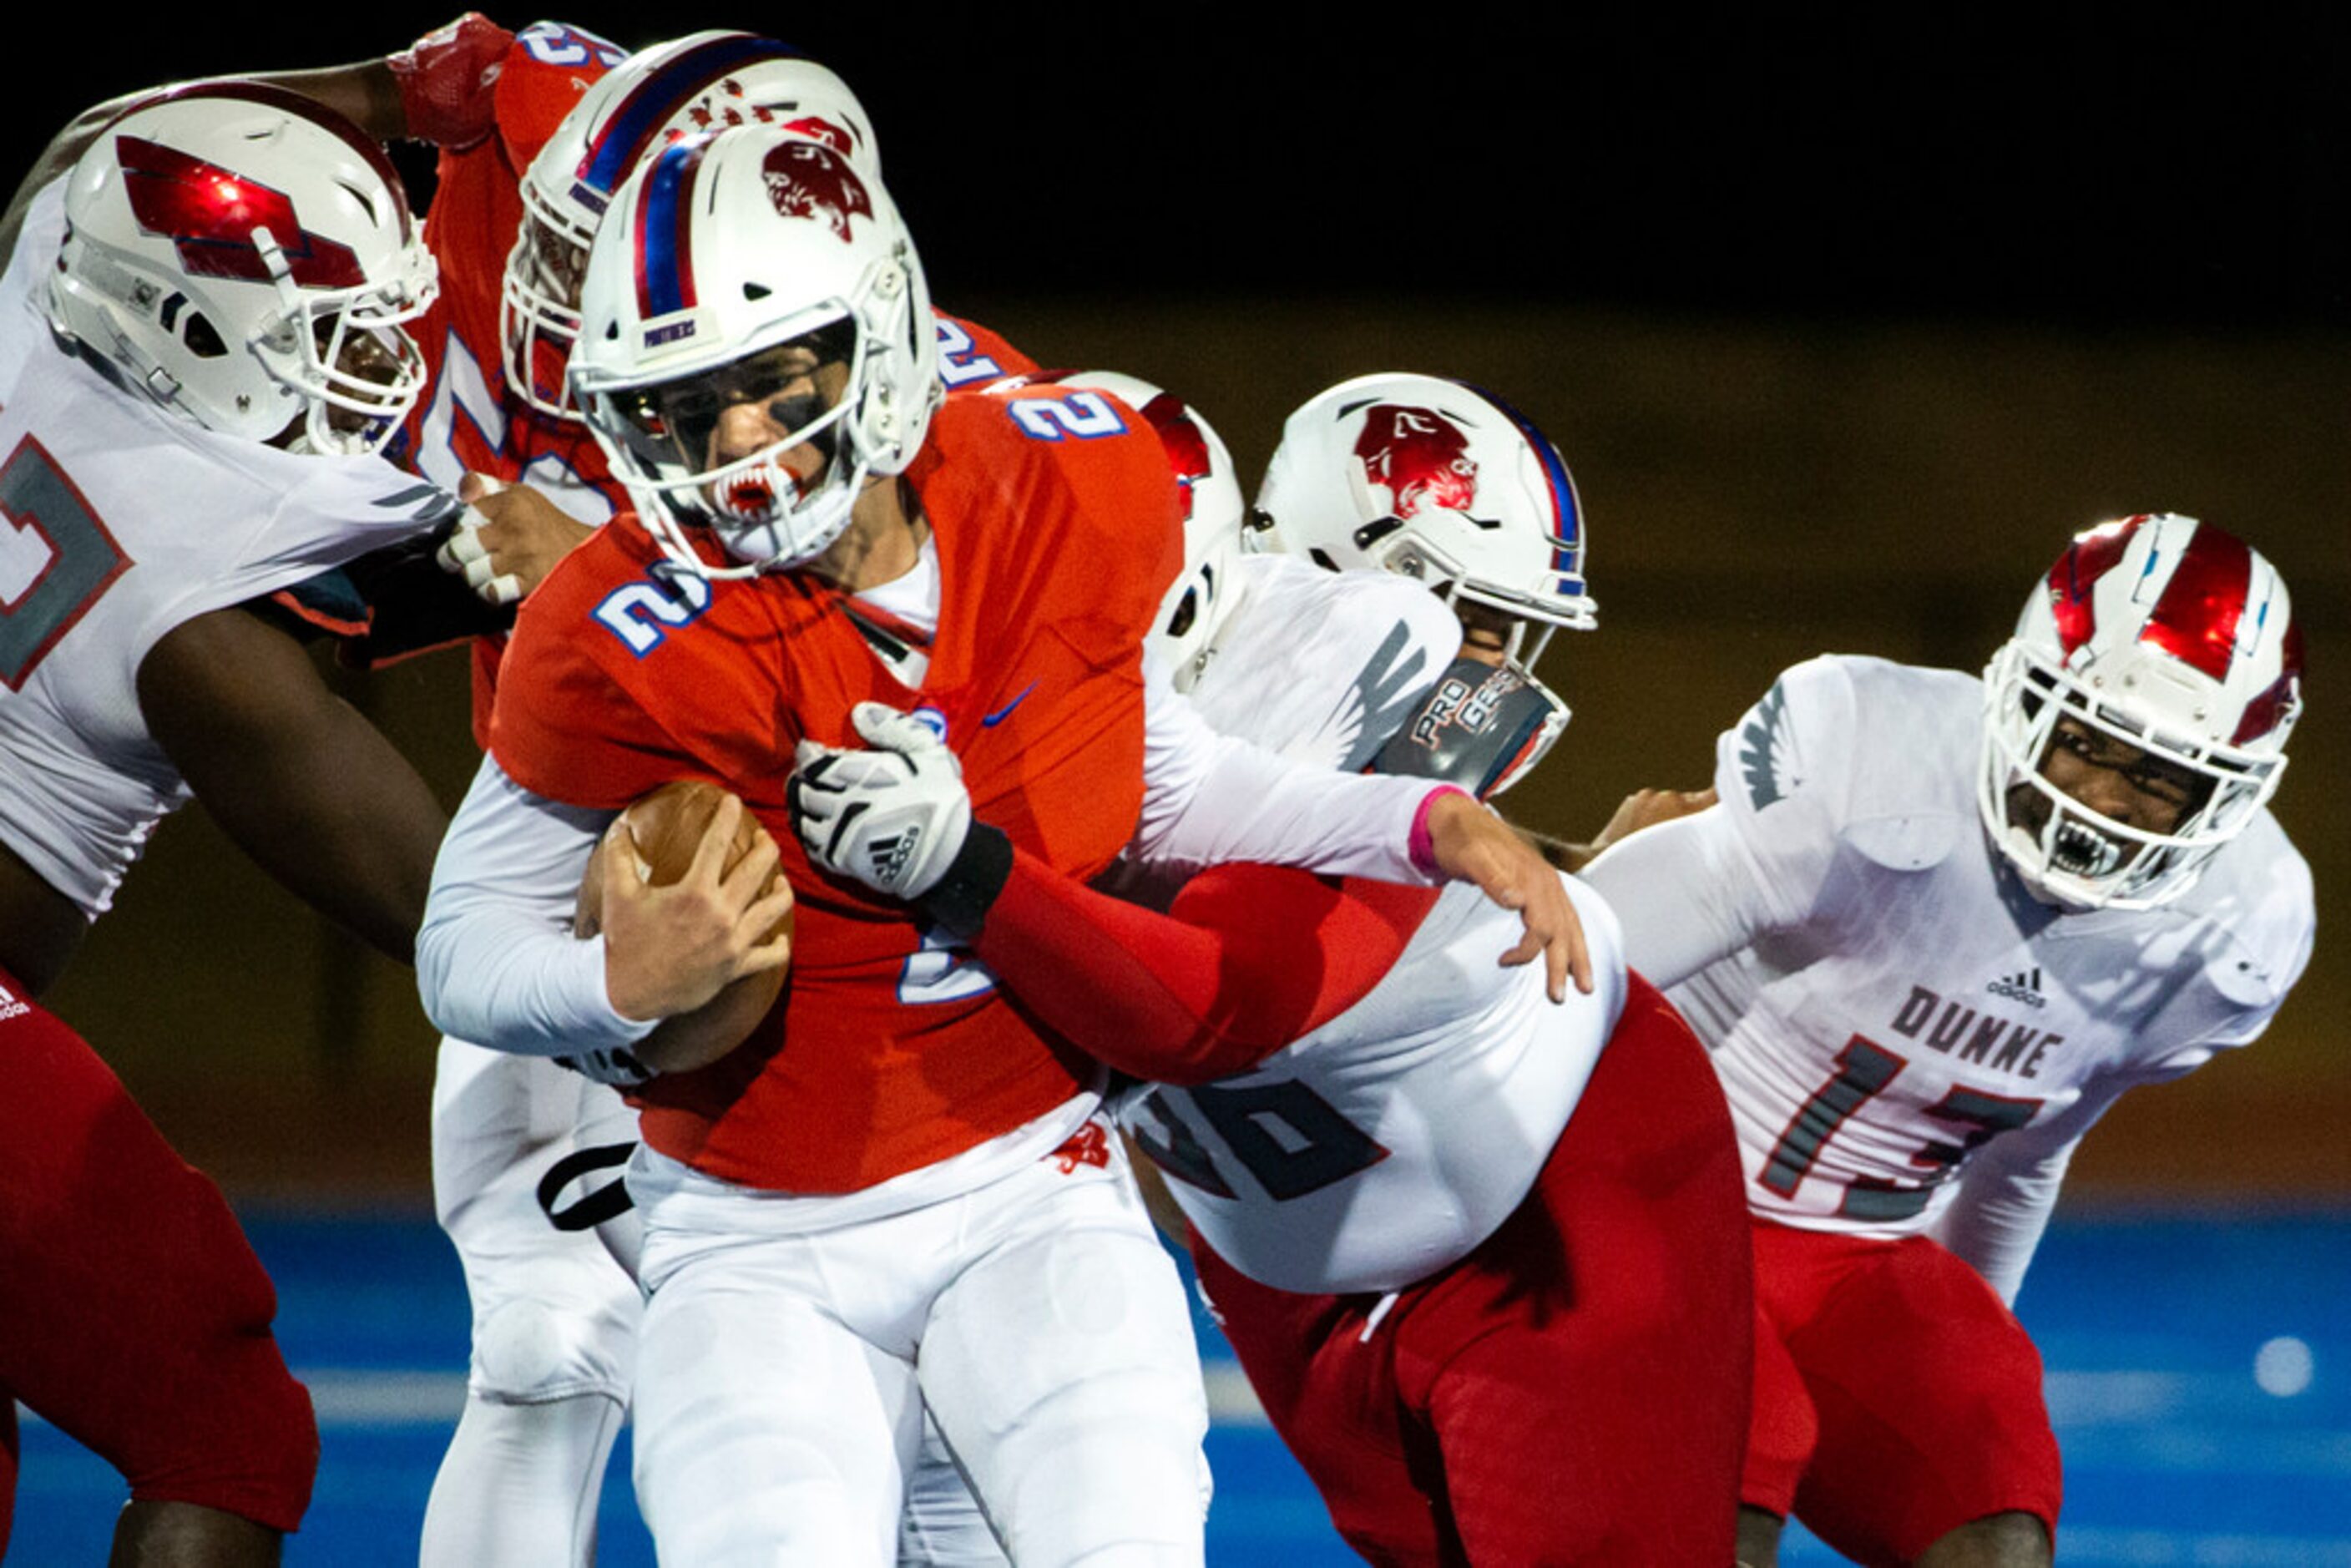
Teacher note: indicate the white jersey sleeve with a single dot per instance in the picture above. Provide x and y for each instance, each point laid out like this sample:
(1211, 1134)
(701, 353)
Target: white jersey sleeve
(1697, 891)
(1209, 798)
(118, 522)
(496, 963)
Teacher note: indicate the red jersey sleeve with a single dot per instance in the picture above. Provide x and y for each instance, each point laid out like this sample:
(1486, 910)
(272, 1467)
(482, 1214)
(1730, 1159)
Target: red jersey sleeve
(1250, 958)
(572, 720)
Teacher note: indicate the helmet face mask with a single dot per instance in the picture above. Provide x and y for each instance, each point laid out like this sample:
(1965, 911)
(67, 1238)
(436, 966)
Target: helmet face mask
(690, 432)
(247, 259)
(2158, 673)
(703, 83)
(735, 265)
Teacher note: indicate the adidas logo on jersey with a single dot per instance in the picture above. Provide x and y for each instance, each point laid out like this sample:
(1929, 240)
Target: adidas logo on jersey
(9, 1005)
(2024, 986)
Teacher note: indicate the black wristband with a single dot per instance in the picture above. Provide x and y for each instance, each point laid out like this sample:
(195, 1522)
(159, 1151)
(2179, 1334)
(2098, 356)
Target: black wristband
(961, 899)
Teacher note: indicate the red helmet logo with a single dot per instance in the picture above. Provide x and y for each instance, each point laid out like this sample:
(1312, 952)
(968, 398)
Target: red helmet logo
(816, 128)
(808, 180)
(1420, 456)
(210, 214)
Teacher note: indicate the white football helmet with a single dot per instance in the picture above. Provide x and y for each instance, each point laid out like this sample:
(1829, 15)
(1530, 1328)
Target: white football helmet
(731, 263)
(705, 82)
(1452, 487)
(1440, 482)
(1205, 591)
(2163, 638)
(245, 257)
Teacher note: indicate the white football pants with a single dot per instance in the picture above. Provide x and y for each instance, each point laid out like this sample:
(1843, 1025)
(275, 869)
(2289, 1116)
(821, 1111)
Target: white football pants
(782, 1378)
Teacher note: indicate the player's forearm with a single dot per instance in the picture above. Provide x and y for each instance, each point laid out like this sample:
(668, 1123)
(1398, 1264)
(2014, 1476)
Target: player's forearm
(1254, 959)
(1210, 800)
(1681, 889)
(1996, 1218)
(496, 961)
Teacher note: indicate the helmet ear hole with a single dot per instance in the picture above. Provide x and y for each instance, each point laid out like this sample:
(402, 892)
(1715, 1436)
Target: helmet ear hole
(203, 339)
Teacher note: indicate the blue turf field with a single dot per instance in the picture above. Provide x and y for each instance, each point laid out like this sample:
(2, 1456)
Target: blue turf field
(2199, 1371)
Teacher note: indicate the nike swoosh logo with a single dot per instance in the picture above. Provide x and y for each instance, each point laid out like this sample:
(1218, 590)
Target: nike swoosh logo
(991, 720)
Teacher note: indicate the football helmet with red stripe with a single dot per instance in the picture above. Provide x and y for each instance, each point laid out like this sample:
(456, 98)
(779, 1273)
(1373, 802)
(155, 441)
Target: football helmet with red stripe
(2160, 651)
(1450, 485)
(758, 270)
(245, 257)
(705, 82)
(1436, 480)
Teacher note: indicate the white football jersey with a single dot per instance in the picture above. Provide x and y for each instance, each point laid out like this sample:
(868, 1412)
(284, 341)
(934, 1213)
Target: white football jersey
(1904, 1001)
(1389, 1143)
(1393, 1140)
(119, 521)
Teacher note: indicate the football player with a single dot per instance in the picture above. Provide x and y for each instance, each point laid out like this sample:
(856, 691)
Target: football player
(1934, 927)
(522, 1149)
(203, 346)
(1476, 1267)
(872, 1172)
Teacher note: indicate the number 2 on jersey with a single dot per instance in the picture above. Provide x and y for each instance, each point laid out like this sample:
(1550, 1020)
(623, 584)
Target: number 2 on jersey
(1864, 1069)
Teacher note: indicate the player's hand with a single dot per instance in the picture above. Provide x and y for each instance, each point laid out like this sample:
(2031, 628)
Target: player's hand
(1647, 808)
(668, 950)
(508, 540)
(892, 818)
(447, 79)
(1469, 843)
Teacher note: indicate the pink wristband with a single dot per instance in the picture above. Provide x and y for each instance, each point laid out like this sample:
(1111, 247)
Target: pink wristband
(1422, 852)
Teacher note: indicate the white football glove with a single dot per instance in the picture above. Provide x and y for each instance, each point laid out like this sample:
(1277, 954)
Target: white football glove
(892, 818)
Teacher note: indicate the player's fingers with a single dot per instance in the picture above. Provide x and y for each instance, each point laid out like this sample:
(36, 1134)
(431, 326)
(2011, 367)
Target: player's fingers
(463, 547)
(774, 949)
(717, 837)
(472, 487)
(750, 874)
(626, 874)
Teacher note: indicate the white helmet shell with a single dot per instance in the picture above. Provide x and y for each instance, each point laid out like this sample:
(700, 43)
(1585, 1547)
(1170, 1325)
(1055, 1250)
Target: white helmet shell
(245, 257)
(722, 247)
(705, 82)
(1436, 480)
(2165, 636)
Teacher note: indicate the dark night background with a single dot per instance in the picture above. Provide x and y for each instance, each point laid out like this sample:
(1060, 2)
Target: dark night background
(2105, 171)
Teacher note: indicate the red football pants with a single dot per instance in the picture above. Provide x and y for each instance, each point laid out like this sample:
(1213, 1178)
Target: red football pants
(1897, 1397)
(133, 1315)
(1575, 1390)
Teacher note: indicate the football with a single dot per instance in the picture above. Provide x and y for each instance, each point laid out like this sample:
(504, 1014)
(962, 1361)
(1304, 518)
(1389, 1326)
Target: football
(668, 823)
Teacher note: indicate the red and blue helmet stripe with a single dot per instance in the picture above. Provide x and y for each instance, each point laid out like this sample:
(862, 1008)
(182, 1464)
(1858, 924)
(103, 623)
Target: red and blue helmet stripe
(664, 248)
(653, 102)
(1566, 508)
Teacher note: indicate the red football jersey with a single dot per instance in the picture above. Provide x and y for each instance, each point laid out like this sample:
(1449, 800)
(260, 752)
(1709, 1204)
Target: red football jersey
(1056, 524)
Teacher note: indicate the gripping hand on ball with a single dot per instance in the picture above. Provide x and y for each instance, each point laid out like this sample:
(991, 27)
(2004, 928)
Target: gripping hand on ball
(893, 817)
